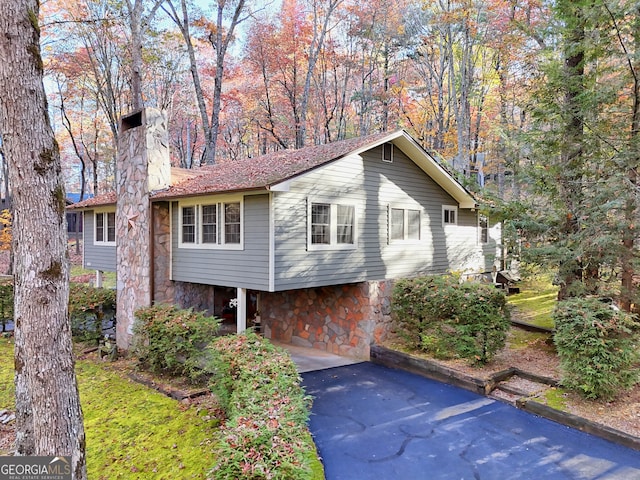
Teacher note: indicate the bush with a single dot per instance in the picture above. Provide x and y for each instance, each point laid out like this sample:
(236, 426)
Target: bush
(597, 346)
(265, 435)
(447, 318)
(91, 311)
(6, 303)
(173, 340)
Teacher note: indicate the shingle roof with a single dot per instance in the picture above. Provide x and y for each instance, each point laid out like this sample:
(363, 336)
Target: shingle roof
(250, 173)
(268, 170)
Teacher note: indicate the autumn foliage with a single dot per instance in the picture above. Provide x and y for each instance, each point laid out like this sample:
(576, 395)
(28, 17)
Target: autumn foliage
(5, 230)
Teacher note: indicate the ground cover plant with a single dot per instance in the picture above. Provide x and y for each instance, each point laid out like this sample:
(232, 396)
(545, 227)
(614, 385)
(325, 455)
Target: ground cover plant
(132, 432)
(265, 434)
(448, 317)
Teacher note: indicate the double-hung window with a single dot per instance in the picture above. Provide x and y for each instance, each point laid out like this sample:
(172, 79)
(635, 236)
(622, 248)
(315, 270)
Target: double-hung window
(211, 225)
(404, 224)
(449, 215)
(189, 224)
(331, 226)
(105, 228)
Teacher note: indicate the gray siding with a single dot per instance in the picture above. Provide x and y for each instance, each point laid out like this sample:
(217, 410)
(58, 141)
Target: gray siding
(247, 268)
(96, 257)
(372, 185)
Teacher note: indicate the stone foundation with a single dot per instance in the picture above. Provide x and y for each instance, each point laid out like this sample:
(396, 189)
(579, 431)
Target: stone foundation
(194, 295)
(341, 319)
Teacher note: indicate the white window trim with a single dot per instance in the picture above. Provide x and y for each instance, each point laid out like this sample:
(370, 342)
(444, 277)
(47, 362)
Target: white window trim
(404, 240)
(102, 243)
(220, 234)
(453, 208)
(333, 232)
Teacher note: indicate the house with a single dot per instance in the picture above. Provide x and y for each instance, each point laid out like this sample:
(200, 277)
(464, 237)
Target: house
(74, 219)
(303, 244)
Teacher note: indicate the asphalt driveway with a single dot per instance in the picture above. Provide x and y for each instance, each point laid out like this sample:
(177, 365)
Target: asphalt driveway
(373, 422)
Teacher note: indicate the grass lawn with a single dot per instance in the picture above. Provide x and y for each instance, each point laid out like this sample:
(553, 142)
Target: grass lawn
(108, 278)
(536, 301)
(132, 432)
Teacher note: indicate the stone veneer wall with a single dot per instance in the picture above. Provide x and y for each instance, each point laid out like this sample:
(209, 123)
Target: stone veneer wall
(341, 319)
(163, 287)
(142, 149)
(194, 295)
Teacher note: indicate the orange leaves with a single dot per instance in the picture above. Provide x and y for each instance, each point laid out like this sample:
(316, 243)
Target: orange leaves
(5, 230)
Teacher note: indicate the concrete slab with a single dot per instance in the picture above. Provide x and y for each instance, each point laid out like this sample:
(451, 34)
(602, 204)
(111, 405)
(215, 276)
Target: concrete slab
(311, 359)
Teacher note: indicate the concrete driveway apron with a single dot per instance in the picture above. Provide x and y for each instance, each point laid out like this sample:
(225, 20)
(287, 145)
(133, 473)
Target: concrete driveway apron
(372, 422)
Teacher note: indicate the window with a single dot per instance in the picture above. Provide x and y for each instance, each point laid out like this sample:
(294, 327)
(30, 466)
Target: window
(413, 224)
(331, 226)
(188, 224)
(449, 215)
(320, 224)
(345, 218)
(105, 228)
(404, 224)
(397, 224)
(387, 152)
(483, 227)
(232, 223)
(211, 225)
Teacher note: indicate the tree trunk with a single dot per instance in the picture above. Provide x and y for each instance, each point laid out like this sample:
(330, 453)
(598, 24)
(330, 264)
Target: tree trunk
(220, 43)
(317, 43)
(183, 25)
(48, 414)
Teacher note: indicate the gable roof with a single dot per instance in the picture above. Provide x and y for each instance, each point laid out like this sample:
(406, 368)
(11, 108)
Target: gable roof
(268, 171)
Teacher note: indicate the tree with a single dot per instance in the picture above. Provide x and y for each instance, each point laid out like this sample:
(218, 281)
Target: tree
(48, 414)
(220, 35)
(585, 146)
(139, 24)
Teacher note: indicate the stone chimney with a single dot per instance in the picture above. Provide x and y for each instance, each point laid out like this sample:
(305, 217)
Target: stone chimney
(142, 167)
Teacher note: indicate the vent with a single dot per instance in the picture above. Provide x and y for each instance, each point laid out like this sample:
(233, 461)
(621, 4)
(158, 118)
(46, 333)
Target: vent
(131, 121)
(387, 153)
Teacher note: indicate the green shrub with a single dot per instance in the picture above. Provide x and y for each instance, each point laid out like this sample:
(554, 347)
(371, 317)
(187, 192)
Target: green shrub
(597, 346)
(6, 302)
(265, 435)
(448, 318)
(173, 340)
(89, 309)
